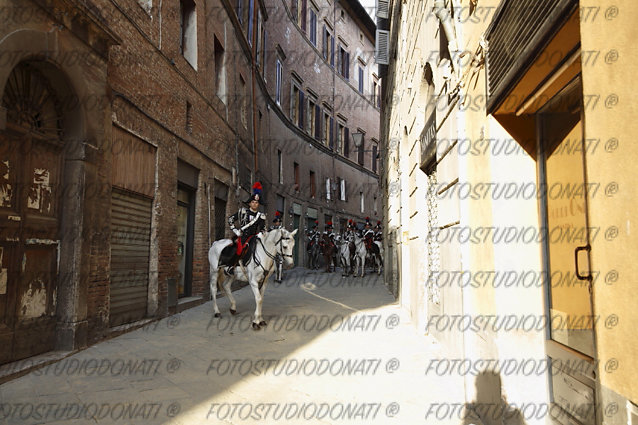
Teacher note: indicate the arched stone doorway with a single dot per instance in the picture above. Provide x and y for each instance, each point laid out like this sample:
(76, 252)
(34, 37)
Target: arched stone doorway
(31, 200)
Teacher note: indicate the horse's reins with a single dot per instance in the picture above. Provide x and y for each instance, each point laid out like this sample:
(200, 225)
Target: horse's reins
(273, 257)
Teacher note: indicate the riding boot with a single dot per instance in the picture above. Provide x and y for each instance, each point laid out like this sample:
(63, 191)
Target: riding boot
(230, 269)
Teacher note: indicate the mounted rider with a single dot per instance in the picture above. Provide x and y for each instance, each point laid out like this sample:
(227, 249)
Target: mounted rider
(368, 234)
(313, 236)
(378, 233)
(251, 223)
(279, 260)
(329, 230)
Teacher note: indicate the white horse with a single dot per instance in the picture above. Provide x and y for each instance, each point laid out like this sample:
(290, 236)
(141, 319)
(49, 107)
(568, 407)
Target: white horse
(344, 256)
(360, 253)
(256, 272)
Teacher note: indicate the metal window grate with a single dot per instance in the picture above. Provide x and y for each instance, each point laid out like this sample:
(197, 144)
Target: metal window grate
(518, 33)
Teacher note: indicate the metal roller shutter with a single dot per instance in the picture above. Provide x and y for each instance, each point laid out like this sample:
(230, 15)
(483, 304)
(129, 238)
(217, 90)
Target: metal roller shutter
(130, 246)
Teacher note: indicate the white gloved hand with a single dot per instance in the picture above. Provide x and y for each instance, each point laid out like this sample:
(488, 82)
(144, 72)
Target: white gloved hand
(237, 232)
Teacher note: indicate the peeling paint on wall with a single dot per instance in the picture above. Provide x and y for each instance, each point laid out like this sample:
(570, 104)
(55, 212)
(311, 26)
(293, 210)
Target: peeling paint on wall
(5, 185)
(3, 274)
(34, 300)
(40, 194)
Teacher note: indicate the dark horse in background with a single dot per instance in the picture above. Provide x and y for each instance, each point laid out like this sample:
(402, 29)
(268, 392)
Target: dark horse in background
(328, 250)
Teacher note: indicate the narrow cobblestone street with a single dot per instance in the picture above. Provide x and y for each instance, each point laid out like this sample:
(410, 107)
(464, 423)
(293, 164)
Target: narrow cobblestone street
(336, 350)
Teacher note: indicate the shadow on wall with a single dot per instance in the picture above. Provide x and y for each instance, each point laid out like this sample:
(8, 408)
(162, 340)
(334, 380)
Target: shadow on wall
(490, 407)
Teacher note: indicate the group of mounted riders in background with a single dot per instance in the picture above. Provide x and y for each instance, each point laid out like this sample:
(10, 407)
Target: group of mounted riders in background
(352, 249)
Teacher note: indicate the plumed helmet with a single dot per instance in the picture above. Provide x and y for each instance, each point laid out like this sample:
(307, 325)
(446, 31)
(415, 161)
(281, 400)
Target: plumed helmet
(277, 218)
(256, 196)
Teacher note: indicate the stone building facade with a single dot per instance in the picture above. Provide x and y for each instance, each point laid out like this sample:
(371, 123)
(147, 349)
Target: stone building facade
(317, 87)
(129, 131)
(508, 130)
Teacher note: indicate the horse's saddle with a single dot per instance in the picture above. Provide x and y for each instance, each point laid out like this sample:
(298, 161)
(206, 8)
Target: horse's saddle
(247, 254)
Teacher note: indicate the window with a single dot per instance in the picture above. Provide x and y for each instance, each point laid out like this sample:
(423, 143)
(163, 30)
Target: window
(301, 15)
(374, 158)
(278, 83)
(250, 21)
(313, 187)
(341, 137)
(361, 149)
(296, 169)
(375, 205)
(342, 189)
(327, 136)
(296, 105)
(280, 169)
(346, 142)
(311, 126)
(328, 189)
(260, 39)
(375, 88)
(360, 79)
(343, 63)
(328, 45)
(362, 201)
(220, 70)
(240, 10)
(188, 39)
(313, 26)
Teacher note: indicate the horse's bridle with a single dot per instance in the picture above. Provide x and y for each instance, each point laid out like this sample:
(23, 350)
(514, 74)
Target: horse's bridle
(273, 257)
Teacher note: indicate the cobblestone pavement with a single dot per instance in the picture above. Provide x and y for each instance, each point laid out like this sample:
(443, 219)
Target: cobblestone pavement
(336, 350)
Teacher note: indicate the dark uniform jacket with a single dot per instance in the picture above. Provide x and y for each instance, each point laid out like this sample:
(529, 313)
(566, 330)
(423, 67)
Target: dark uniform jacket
(250, 223)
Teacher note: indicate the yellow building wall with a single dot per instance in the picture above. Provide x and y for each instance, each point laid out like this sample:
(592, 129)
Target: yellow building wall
(610, 32)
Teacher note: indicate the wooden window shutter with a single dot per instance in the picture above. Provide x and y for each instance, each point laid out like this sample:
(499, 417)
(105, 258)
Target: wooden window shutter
(332, 133)
(304, 6)
(382, 47)
(346, 142)
(301, 108)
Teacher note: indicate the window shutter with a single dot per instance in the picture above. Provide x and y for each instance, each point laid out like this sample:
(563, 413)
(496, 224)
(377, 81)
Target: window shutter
(301, 109)
(328, 189)
(374, 158)
(383, 47)
(320, 126)
(317, 122)
(313, 27)
(304, 5)
(360, 80)
(342, 189)
(293, 9)
(346, 142)
(361, 150)
(347, 66)
(324, 41)
(332, 133)
(332, 51)
(383, 9)
(250, 22)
